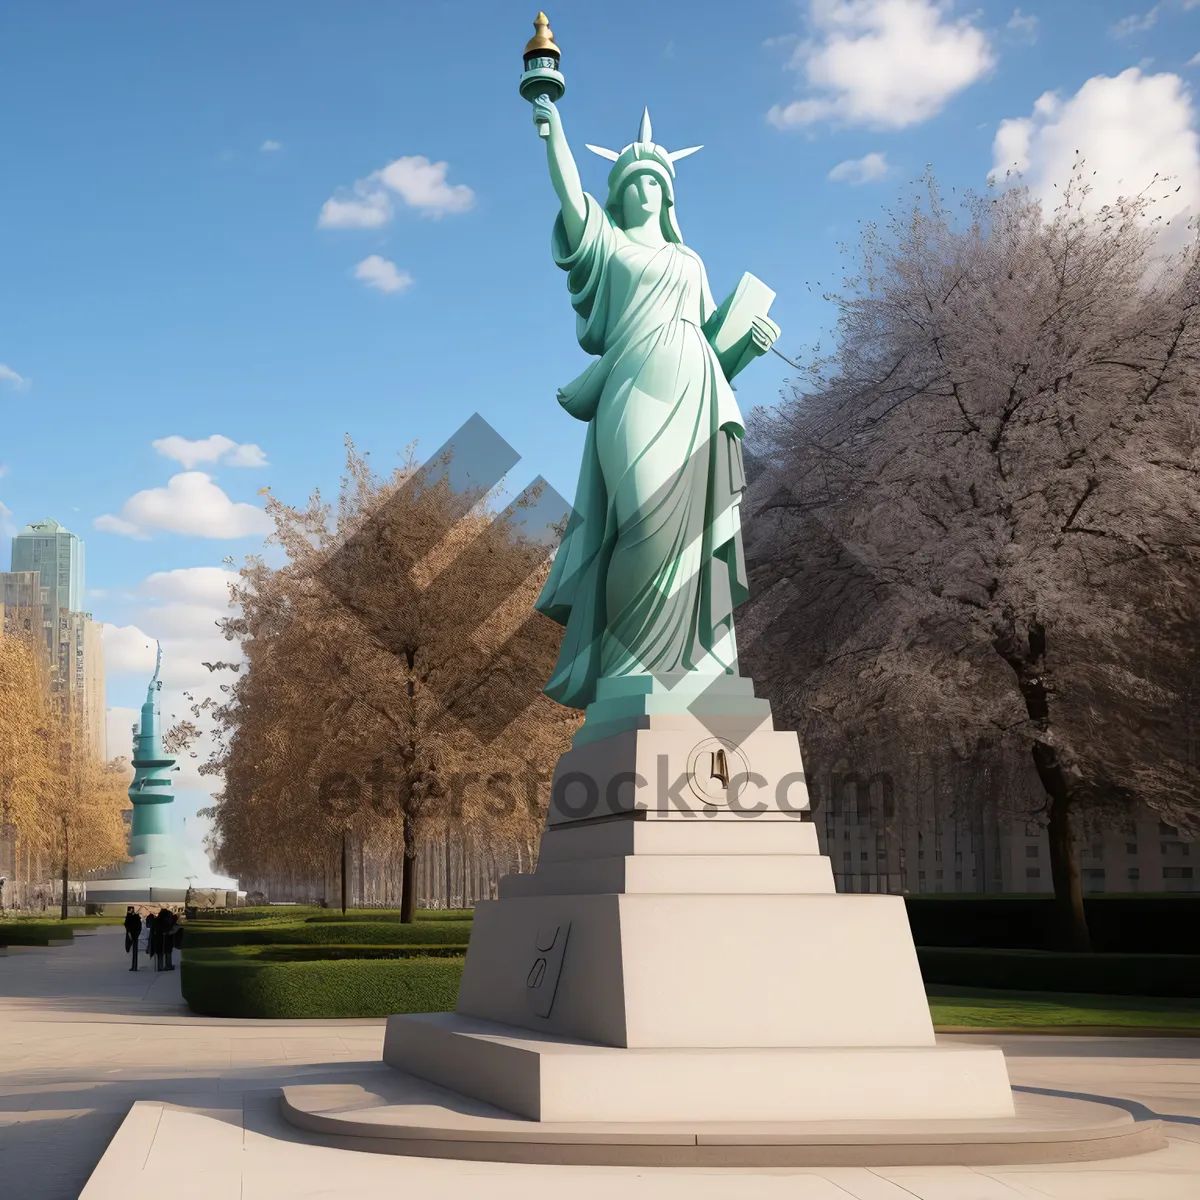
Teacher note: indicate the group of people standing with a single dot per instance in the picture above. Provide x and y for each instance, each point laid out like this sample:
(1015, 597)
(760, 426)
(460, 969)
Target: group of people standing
(158, 936)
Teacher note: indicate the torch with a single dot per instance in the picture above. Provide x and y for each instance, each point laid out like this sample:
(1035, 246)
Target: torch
(542, 77)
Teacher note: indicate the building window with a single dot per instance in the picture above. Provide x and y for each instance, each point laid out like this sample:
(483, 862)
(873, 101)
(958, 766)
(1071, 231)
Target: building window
(845, 855)
(1033, 872)
(1131, 847)
(1133, 874)
(958, 858)
(1032, 851)
(937, 856)
(1167, 830)
(881, 854)
(937, 874)
(1095, 874)
(958, 877)
(921, 876)
(880, 843)
(920, 853)
(863, 855)
(1177, 872)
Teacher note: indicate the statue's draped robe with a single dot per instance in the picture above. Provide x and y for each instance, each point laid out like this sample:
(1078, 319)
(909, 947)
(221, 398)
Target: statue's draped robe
(651, 565)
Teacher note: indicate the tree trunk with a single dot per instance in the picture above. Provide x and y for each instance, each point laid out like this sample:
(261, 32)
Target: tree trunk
(1028, 663)
(345, 858)
(447, 865)
(1064, 866)
(65, 870)
(408, 873)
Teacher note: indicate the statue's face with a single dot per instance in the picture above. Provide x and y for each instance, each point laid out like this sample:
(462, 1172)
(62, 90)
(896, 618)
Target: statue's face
(642, 200)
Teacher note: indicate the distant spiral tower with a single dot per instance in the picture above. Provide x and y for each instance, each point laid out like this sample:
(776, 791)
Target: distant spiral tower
(151, 790)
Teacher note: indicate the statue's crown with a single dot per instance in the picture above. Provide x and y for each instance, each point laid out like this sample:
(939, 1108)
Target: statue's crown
(643, 149)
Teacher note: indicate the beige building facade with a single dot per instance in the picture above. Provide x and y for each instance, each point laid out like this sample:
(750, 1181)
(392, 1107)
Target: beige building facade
(933, 846)
(78, 674)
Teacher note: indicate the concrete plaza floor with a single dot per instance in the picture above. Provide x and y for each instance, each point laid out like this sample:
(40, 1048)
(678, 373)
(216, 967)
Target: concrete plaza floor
(82, 1039)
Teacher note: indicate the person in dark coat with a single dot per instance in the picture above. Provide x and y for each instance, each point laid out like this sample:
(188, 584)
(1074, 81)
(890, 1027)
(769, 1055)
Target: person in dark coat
(133, 934)
(152, 924)
(165, 924)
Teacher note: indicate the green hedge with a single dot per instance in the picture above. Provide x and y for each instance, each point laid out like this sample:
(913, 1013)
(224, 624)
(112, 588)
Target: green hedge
(35, 933)
(234, 988)
(327, 933)
(285, 912)
(281, 953)
(1055, 971)
(1118, 924)
(381, 914)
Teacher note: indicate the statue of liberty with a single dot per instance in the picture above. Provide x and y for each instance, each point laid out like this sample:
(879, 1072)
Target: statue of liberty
(651, 567)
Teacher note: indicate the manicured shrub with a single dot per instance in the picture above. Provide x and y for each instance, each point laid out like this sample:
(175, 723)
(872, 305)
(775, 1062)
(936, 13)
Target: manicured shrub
(35, 933)
(249, 989)
(328, 933)
(1118, 924)
(1062, 971)
(341, 953)
(384, 914)
(282, 912)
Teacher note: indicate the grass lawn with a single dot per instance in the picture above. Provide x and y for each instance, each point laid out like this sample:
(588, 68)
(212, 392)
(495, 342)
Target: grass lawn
(987, 1009)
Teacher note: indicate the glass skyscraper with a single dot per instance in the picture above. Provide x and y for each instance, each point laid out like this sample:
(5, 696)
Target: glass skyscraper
(57, 554)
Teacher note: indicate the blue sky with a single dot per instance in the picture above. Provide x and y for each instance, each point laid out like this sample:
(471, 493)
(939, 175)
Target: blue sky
(166, 274)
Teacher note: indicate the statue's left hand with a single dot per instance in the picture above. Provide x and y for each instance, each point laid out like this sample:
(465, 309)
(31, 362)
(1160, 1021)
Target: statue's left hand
(764, 333)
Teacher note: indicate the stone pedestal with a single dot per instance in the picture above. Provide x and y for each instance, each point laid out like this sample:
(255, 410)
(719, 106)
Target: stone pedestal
(680, 954)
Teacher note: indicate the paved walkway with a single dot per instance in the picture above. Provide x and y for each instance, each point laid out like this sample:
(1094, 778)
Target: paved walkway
(82, 1038)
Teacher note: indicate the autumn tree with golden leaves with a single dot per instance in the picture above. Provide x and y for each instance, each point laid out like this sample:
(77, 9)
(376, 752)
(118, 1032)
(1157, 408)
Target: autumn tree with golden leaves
(386, 690)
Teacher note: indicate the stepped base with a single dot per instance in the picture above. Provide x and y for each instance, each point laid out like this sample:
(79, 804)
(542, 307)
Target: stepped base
(386, 1112)
(549, 1078)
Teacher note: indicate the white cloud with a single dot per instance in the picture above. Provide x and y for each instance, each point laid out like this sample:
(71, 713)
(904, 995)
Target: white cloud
(382, 274)
(1194, 61)
(8, 527)
(883, 63)
(1023, 25)
(191, 504)
(119, 723)
(417, 182)
(1127, 127)
(365, 209)
(269, 146)
(1134, 24)
(860, 170)
(127, 650)
(422, 184)
(190, 585)
(8, 375)
(214, 449)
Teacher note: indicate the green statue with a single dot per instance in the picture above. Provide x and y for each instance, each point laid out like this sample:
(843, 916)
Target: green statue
(651, 567)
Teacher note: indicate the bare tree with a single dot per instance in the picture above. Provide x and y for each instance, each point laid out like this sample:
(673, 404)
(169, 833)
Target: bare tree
(984, 510)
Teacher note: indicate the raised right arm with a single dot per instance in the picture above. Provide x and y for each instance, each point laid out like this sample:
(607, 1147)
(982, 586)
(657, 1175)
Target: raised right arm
(564, 174)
